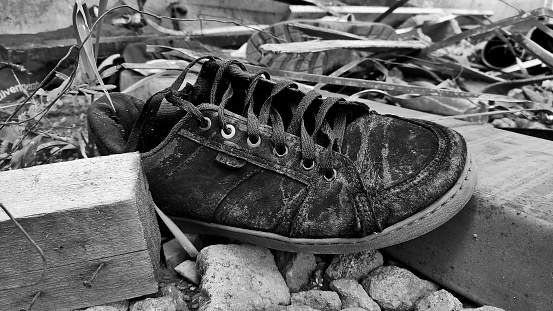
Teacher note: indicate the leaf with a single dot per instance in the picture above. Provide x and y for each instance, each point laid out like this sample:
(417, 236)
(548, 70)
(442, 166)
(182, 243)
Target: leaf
(85, 145)
(11, 133)
(324, 33)
(26, 157)
(101, 9)
(17, 160)
(82, 145)
(87, 60)
(327, 45)
(440, 105)
(110, 71)
(86, 53)
(324, 62)
(143, 81)
(56, 92)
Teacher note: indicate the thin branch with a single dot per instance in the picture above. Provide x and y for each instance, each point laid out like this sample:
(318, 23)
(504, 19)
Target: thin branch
(35, 245)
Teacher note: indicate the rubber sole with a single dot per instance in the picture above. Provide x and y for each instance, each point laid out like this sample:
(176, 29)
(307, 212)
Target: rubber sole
(426, 220)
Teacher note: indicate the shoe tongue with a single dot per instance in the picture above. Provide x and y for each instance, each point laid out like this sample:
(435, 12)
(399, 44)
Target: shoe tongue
(240, 82)
(285, 102)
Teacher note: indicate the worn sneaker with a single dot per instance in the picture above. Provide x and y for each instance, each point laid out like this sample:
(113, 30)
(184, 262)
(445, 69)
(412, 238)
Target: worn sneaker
(265, 163)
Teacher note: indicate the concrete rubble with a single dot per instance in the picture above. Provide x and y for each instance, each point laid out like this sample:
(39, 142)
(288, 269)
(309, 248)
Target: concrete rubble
(353, 266)
(239, 277)
(116, 306)
(296, 269)
(247, 277)
(187, 269)
(318, 299)
(441, 300)
(353, 295)
(396, 289)
(150, 304)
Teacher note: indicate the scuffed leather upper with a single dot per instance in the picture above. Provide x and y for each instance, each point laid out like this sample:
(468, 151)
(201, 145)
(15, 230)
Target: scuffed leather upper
(388, 169)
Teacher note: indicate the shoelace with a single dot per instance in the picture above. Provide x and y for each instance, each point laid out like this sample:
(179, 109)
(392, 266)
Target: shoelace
(334, 133)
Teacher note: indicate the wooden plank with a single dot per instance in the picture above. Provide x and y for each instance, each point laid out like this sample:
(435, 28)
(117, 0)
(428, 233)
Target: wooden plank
(63, 289)
(78, 212)
(218, 13)
(497, 250)
(534, 49)
(525, 16)
(327, 45)
(54, 50)
(366, 84)
(453, 70)
(324, 33)
(370, 13)
(390, 10)
(225, 37)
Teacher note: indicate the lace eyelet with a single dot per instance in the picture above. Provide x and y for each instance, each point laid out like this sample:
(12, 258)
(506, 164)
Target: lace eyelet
(208, 126)
(307, 164)
(330, 175)
(232, 130)
(253, 141)
(280, 154)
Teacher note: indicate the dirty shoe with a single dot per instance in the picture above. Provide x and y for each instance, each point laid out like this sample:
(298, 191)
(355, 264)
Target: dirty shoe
(265, 163)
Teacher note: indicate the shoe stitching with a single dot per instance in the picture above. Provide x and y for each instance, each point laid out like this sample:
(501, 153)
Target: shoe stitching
(244, 153)
(431, 213)
(345, 243)
(433, 165)
(188, 159)
(254, 172)
(281, 215)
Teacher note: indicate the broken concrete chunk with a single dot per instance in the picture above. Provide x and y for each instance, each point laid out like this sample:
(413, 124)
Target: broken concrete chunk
(239, 277)
(485, 308)
(171, 291)
(354, 266)
(318, 299)
(296, 269)
(122, 305)
(441, 300)
(396, 289)
(188, 270)
(353, 295)
(289, 308)
(175, 254)
(154, 304)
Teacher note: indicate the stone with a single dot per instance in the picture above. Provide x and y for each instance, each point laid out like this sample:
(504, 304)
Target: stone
(122, 305)
(353, 295)
(354, 266)
(154, 304)
(484, 308)
(174, 253)
(187, 269)
(239, 277)
(171, 291)
(354, 309)
(396, 289)
(300, 308)
(318, 299)
(288, 308)
(441, 300)
(296, 268)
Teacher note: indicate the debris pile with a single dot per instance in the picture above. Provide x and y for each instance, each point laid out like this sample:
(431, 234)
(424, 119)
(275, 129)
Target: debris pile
(245, 277)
